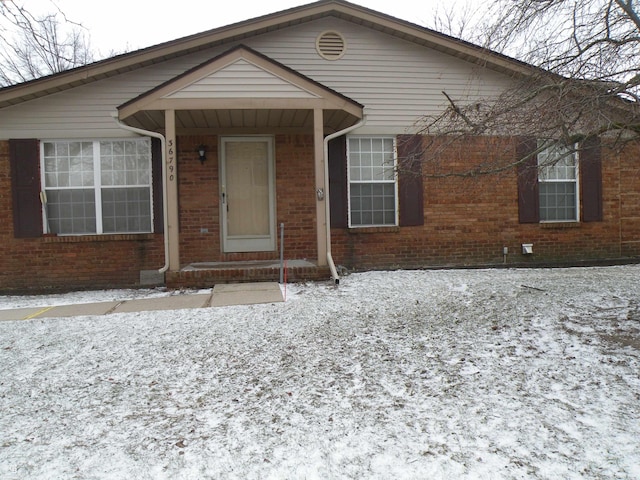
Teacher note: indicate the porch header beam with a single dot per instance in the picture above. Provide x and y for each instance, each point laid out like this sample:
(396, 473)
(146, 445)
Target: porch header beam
(245, 104)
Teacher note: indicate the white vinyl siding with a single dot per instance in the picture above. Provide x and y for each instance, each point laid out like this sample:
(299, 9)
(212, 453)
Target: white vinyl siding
(256, 83)
(97, 187)
(558, 185)
(398, 81)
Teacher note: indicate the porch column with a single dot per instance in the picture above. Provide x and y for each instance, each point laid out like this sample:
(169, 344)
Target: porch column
(321, 216)
(172, 191)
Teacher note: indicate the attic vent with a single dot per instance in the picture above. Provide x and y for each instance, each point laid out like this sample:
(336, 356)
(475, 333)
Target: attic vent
(331, 45)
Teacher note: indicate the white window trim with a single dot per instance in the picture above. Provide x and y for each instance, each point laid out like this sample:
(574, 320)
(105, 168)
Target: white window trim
(576, 181)
(395, 182)
(97, 186)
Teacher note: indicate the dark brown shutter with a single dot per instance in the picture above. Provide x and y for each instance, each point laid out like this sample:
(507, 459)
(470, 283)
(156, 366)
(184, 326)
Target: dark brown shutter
(528, 201)
(591, 179)
(410, 189)
(158, 190)
(25, 186)
(337, 153)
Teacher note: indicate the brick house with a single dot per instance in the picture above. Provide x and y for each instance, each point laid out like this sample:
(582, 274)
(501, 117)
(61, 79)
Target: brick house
(181, 163)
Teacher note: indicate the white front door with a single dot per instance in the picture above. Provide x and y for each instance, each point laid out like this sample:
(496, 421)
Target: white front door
(247, 194)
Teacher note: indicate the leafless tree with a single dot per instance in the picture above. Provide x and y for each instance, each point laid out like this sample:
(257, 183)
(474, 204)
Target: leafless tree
(459, 19)
(34, 46)
(583, 82)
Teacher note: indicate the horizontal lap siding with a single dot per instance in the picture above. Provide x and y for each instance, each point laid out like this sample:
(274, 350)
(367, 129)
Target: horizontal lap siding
(256, 82)
(85, 112)
(396, 80)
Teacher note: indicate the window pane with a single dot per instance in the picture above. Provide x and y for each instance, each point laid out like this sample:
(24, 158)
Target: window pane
(366, 173)
(71, 211)
(557, 163)
(558, 201)
(126, 162)
(62, 149)
(371, 159)
(372, 204)
(49, 149)
(126, 210)
(50, 179)
(68, 164)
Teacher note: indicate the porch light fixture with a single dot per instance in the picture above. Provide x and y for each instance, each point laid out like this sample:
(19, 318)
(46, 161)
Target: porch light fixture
(202, 150)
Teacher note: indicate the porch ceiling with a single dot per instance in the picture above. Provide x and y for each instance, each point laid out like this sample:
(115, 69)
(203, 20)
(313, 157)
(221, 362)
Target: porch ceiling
(243, 120)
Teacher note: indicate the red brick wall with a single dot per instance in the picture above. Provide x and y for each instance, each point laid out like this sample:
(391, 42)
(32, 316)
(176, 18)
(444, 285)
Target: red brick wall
(296, 198)
(116, 260)
(69, 262)
(200, 200)
(628, 205)
(468, 220)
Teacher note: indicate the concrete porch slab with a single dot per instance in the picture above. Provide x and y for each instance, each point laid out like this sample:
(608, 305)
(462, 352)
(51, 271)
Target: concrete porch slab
(245, 294)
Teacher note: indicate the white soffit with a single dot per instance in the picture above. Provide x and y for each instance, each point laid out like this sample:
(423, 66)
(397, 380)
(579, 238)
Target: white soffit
(241, 79)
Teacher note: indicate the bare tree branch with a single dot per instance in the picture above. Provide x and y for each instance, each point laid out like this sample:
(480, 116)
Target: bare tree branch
(38, 45)
(587, 84)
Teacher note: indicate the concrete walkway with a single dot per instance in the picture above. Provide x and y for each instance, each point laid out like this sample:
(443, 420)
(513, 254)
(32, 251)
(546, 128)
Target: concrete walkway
(222, 295)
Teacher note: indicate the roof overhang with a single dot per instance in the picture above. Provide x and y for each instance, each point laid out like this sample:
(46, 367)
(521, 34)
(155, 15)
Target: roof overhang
(241, 89)
(237, 32)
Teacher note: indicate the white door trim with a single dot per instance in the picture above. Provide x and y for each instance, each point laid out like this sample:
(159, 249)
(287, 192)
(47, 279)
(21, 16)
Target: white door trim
(254, 242)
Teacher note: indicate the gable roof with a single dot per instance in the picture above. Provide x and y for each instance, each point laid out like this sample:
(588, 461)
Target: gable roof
(236, 32)
(265, 83)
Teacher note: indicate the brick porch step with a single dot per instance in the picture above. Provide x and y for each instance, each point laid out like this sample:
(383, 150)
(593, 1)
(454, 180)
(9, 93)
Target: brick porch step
(207, 274)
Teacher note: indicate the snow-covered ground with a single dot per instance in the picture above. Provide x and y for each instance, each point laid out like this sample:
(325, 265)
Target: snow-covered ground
(392, 375)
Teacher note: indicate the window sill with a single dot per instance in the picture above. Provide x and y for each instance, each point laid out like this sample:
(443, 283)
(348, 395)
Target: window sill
(560, 225)
(359, 230)
(120, 237)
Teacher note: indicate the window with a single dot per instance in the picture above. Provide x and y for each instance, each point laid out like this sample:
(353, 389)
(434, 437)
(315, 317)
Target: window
(558, 184)
(372, 181)
(97, 187)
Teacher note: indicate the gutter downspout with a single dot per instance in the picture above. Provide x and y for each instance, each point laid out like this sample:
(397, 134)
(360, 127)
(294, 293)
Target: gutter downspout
(327, 139)
(165, 218)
